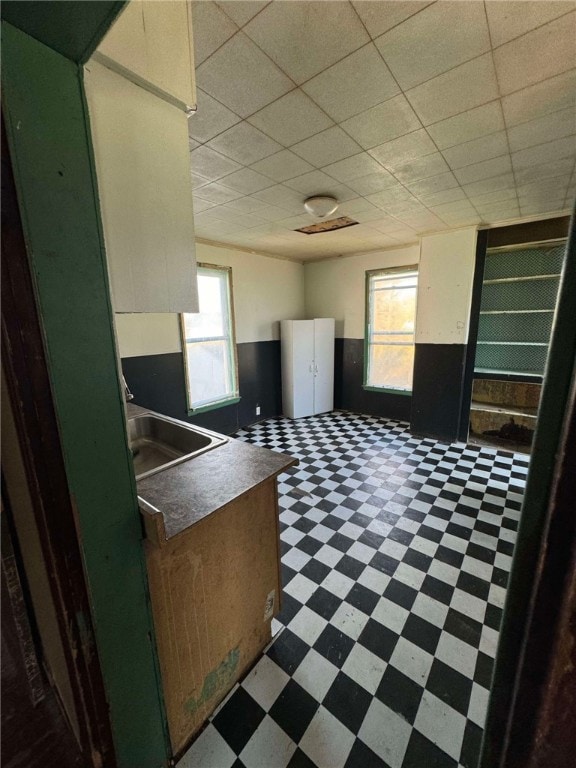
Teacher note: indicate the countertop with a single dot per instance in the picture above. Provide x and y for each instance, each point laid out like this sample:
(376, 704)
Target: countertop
(188, 492)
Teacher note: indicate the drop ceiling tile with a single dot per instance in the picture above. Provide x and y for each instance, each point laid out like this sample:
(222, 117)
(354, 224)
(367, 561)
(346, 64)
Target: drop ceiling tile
(463, 206)
(543, 129)
(477, 150)
(401, 209)
(541, 99)
(216, 193)
(435, 40)
(366, 216)
(246, 205)
(425, 222)
(494, 183)
(210, 118)
(199, 181)
(245, 144)
(305, 38)
(444, 96)
(551, 206)
(210, 164)
(311, 183)
(291, 118)
(247, 181)
(550, 152)
(543, 187)
(484, 170)
(283, 165)
(295, 222)
(243, 220)
(200, 205)
(499, 211)
(473, 124)
(359, 205)
(192, 144)
(353, 167)
(314, 182)
(241, 11)
(541, 174)
(386, 224)
(281, 196)
(273, 213)
(380, 17)
(242, 77)
(450, 195)
(382, 123)
(511, 19)
(494, 197)
(433, 184)
(421, 168)
(391, 196)
(459, 219)
(394, 153)
(538, 55)
(211, 29)
(374, 182)
(326, 147)
(353, 85)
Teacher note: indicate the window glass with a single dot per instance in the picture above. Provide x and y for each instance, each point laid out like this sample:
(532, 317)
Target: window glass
(391, 315)
(209, 341)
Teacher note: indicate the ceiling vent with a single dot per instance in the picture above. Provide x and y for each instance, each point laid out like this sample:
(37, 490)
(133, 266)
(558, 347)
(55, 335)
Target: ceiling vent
(327, 226)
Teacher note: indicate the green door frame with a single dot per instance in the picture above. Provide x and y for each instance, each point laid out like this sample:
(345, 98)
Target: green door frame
(50, 148)
(509, 733)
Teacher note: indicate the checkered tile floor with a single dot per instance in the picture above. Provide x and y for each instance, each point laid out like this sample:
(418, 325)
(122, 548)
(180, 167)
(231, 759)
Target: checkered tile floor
(395, 557)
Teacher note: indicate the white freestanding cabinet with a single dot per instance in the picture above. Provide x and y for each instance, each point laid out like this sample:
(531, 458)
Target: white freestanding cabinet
(307, 366)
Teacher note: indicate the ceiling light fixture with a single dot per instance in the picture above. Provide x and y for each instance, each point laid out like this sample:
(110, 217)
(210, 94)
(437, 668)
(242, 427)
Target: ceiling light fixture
(321, 205)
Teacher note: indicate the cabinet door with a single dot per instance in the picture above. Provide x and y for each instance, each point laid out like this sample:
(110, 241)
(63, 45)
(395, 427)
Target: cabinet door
(143, 174)
(151, 44)
(323, 365)
(298, 368)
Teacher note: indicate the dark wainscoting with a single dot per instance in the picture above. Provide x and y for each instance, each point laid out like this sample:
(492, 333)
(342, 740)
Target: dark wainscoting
(158, 383)
(437, 390)
(349, 394)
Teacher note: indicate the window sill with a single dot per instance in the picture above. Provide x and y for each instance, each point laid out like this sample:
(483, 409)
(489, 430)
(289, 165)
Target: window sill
(387, 390)
(213, 406)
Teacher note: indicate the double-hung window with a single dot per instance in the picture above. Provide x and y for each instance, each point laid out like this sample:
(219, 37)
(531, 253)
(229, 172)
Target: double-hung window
(208, 342)
(390, 320)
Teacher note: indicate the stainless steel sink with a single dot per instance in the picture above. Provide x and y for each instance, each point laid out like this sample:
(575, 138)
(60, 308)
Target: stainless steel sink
(158, 442)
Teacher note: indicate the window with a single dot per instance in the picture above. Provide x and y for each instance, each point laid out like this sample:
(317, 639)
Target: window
(208, 342)
(517, 309)
(390, 317)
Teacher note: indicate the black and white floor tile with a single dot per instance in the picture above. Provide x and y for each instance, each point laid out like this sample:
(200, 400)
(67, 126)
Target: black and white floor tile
(395, 558)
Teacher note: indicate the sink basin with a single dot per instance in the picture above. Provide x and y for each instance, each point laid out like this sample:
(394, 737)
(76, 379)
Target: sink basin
(158, 442)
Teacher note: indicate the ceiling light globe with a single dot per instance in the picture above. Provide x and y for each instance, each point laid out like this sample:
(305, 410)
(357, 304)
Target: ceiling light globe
(321, 205)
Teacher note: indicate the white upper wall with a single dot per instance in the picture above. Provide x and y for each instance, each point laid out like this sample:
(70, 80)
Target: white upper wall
(445, 279)
(266, 290)
(337, 287)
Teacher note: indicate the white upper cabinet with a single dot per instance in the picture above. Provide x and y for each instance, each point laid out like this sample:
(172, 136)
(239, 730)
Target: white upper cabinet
(142, 164)
(151, 44)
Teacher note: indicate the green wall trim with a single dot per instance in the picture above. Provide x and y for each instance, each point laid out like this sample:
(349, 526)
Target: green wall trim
(73, 28)
(43, 104)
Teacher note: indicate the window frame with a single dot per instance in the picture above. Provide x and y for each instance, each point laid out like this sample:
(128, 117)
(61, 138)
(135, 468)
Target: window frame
(232, 349)
(387, 389)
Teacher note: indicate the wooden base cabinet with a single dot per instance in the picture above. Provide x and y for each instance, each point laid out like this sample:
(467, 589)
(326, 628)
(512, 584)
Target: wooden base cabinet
(214, 590)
